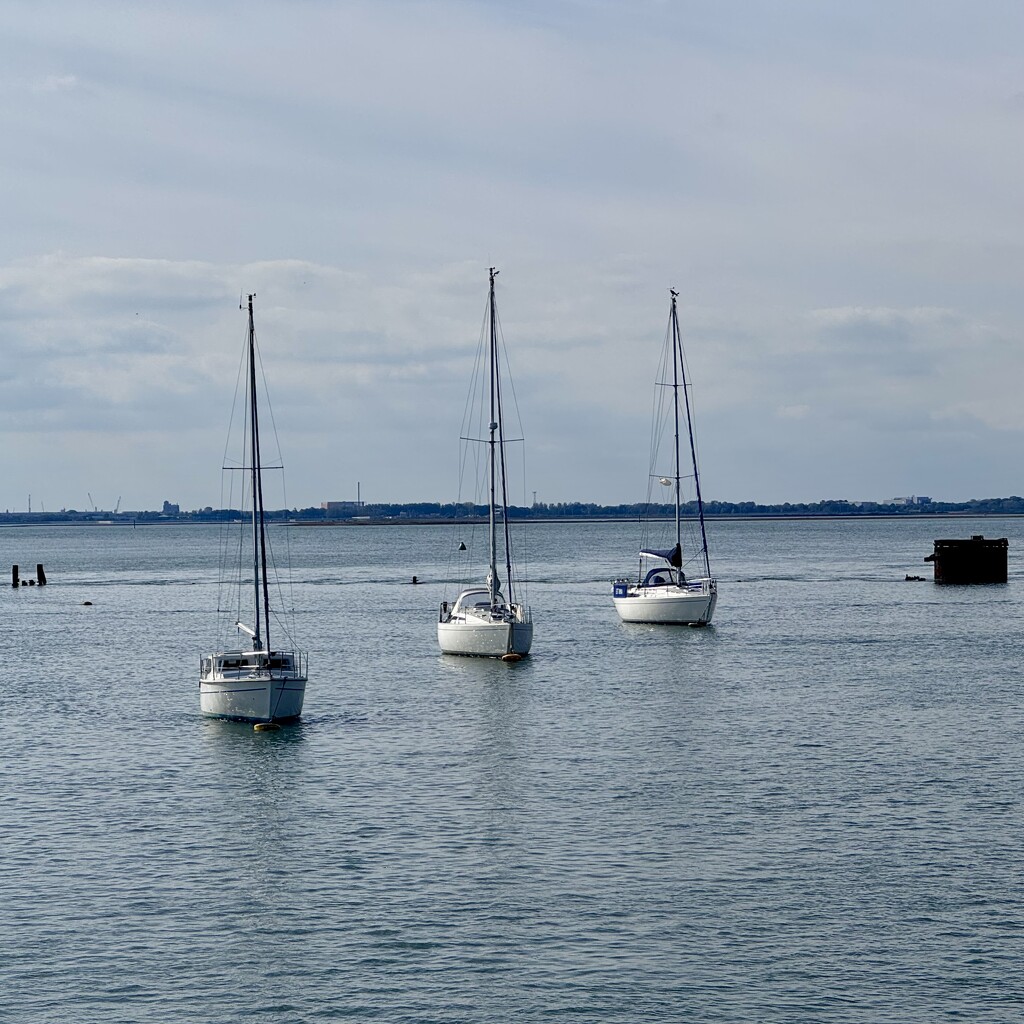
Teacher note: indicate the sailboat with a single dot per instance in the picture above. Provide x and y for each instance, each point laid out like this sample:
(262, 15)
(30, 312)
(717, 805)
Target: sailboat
(664, 592)
(261, 683)
(488, 620)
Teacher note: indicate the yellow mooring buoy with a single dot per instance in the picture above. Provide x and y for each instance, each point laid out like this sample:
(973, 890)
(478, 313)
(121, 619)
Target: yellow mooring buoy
(266, 727)
(511, 656)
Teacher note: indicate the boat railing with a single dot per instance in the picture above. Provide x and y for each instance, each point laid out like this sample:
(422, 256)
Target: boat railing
(293, 661)
(482, 610)
(702, 583)
(301, 663)
(255, 663)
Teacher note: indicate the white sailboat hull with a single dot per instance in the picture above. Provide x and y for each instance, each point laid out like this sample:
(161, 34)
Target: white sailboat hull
(253, 700)
(249, 693)
(692, 604)
(485, 639)
(473, 626)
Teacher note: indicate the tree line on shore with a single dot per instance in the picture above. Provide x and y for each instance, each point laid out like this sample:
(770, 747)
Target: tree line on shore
(428, 511)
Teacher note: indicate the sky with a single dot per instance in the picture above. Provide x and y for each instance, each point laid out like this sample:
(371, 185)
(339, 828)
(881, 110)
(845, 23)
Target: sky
(833, 188)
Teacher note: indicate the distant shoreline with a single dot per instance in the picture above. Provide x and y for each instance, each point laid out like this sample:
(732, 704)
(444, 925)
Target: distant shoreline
(15, 521)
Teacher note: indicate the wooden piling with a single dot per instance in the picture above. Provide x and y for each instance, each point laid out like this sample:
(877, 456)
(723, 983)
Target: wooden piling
(17, 581)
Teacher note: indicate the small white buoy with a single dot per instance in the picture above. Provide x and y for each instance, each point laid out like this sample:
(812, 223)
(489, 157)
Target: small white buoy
(266, 727)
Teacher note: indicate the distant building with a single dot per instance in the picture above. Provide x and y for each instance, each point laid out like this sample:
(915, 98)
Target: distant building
(171, 510)
(338, 507)
(913, 499)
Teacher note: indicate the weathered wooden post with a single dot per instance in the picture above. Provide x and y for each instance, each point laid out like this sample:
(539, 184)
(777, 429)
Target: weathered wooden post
(17, 581)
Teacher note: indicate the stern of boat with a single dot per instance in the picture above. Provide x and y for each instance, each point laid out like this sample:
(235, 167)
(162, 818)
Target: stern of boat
(253, 686)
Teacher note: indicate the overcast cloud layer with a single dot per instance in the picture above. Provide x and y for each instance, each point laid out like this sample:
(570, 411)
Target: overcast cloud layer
(833, 188)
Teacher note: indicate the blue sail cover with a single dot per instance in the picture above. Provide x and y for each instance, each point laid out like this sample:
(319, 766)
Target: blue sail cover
(674, 556)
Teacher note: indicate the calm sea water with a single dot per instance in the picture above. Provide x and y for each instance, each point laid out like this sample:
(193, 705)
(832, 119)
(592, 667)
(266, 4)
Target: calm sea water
(810, 812)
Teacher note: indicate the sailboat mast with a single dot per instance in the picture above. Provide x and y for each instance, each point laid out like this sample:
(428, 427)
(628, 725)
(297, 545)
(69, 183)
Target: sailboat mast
(693, 449)
(505, 525)
(253, 481)
(493, 575)
(259, 541)
(675, 411)
(503, 469)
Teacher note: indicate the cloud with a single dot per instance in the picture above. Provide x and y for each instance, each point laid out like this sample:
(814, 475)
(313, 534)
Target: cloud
(793, 412)
(832, 190)
(54, 83)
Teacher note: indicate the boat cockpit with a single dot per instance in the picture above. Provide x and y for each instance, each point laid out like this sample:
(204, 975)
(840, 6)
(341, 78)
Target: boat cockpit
(250, 663)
